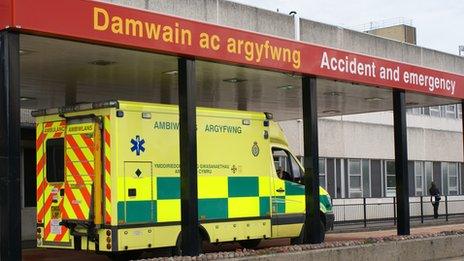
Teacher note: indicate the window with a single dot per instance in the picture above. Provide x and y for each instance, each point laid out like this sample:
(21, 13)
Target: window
(366, 166)
(449, 172)
(322, 170)
(286, 166)
(428, 176)
(426, 111)
(390, 178)
(450, 111)
(296, 170)
(419, 178)
(55, 160)
(354, 178)
(417, 111)
(323, 173)
(459, 111)
(435, 111)
(452, 179)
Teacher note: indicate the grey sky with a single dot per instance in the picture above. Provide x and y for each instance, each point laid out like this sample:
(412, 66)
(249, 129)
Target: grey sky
(439, 23)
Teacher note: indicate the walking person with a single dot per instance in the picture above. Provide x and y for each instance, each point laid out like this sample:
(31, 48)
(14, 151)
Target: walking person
(434, 198)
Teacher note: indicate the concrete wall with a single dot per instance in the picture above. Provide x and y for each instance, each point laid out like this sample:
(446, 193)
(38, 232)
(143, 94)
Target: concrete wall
(221, 12)
(358, 136)
(433, 248)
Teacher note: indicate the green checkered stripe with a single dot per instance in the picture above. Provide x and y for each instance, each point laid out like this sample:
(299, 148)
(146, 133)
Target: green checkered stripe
(168, 188)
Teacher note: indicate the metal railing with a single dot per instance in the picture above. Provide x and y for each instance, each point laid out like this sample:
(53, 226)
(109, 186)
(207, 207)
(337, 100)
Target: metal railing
(372, 210)
(381, 24)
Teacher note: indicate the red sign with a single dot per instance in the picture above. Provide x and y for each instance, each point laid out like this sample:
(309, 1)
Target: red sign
(121, 26)
(6, 11)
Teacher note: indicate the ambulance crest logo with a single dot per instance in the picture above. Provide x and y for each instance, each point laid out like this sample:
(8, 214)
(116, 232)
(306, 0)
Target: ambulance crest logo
(137, 145)
(255, 149)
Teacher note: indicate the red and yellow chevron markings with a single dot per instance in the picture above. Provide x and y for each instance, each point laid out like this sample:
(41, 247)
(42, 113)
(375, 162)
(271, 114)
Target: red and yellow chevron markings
(47, 194)
(83, 159)
(80, 170)
(107, 169)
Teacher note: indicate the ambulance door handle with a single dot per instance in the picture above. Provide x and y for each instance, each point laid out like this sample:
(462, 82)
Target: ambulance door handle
(280, 190)
(132, 192)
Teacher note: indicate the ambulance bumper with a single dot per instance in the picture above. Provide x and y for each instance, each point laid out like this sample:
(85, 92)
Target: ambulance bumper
(329, 221)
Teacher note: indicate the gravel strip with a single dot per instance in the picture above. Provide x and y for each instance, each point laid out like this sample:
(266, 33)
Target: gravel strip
(296, 248)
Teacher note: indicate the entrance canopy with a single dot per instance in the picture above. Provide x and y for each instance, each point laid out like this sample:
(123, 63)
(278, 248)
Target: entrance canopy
(131, 54)
(54, 69)
(74, 51)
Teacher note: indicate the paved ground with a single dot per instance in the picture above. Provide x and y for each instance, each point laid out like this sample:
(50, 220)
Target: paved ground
(43, 255)
(389, 224)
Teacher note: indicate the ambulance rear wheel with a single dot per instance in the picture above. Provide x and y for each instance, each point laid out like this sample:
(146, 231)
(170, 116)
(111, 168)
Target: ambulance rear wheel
(250, 244)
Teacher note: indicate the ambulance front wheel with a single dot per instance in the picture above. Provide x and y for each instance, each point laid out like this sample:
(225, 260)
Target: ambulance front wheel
(300, 239)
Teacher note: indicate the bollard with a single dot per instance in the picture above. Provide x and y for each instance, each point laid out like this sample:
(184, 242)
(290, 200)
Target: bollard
(446, 208)
(365, 212)
(422, 209)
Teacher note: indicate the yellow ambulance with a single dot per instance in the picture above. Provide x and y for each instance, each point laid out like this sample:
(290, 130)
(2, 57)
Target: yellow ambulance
(108, 178)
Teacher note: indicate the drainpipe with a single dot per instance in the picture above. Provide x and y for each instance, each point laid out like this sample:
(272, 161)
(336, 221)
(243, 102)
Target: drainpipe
(296, 24)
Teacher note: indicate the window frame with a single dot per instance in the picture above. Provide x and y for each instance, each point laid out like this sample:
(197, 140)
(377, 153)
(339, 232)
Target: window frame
(455, 189)
(450, 113)
(435, 110)
(459, 107)
(427, 181)
(350, 189)
(324, 175)
(369, 176)
(389, 191)
(419, 165)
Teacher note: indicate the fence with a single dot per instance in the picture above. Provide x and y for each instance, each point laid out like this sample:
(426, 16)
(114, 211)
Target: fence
(383, 209)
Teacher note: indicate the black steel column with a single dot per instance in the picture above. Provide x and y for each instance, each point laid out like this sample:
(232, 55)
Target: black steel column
(462, 122)
(10, 204)
(401, 162)
(188, 158)
(313, 230)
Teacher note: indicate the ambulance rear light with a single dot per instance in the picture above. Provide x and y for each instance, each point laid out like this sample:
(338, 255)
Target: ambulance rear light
(75, 108)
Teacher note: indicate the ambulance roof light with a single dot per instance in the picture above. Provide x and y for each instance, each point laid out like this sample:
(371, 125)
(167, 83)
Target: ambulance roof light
(74, 108)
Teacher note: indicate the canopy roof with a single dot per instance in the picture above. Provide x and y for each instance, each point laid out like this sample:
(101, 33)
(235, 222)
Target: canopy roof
(116, 52)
